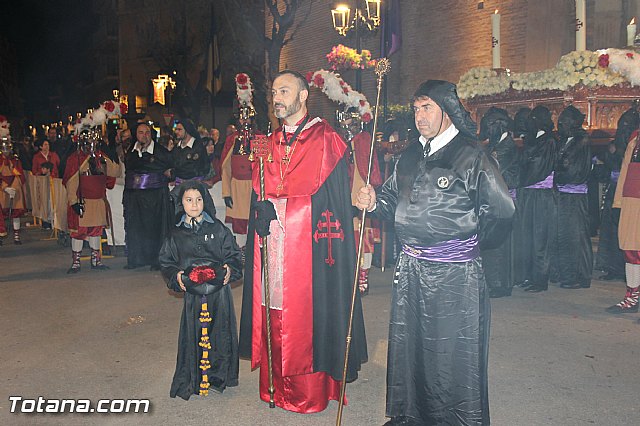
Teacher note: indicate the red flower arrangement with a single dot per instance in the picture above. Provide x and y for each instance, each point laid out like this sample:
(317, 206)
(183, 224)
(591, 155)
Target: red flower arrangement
(202, 274)
(318, 81)
(123, 108)
(241, 79)
(109, 106)
(603, 60)
(343, 57)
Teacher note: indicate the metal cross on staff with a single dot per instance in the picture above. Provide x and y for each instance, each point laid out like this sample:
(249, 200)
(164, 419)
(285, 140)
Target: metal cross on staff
(382, 68)
(260, 150)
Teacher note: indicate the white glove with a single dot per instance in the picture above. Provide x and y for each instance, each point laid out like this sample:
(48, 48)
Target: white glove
(10, 191)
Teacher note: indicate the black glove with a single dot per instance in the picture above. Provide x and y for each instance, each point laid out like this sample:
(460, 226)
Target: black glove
(78, 208)
(228, 201)
(615, 216)
(356, 211)
(265, 213)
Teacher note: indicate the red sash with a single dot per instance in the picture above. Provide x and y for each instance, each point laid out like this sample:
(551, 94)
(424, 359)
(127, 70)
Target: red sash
(240, 167)
(93, 187)
(631, 186)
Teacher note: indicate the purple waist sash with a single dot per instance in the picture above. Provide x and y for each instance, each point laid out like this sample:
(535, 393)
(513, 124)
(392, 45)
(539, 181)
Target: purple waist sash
(546, 183)
(446, 251)
(573, 188)
(145, 180)
(179, 180)
(615, 174)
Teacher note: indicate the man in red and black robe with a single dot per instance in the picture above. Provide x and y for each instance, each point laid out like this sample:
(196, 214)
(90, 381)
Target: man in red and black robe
(311, 262)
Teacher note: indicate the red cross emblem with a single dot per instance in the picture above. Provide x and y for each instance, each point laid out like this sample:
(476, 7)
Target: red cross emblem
(324, 231)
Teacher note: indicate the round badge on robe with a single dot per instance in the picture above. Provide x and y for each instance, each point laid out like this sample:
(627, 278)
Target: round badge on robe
(188, 156)
(196, 156)
(443, 182)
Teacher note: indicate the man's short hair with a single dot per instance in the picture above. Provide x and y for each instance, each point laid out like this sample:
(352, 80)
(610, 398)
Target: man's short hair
(302, 82)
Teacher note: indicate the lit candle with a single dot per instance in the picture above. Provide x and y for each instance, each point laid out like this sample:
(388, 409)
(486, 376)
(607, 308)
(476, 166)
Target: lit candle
(495, 39)
(581, 25)
(631, 32)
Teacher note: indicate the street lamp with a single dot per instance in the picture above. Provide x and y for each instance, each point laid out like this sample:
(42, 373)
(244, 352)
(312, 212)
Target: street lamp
(343, 24)
(159, 86)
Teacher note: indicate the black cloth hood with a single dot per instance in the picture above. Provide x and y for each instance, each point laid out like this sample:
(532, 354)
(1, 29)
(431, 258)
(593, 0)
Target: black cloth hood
(520, 121)
(191, 129)
(493, 124)
(540, 119)
(445, 95)
(573, 116)
(627, 124)
(179, 191)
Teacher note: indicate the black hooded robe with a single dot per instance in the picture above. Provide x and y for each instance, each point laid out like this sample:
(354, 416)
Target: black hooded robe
(440, 312)
(610, 258)
(498, 262)
(211, 243)
(148, 213)
(536, 229)
(575, 255)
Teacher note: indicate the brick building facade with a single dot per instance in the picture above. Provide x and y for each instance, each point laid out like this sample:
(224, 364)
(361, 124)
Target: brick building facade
(443, 39)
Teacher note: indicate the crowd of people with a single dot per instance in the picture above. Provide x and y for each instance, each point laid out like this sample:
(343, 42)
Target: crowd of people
(472, 214)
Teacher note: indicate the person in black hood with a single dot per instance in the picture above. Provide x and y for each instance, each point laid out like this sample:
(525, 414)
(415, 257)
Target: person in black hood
(447, 198)
(200, 257)
(610, 258)
(520, 122)
(496, 127)
(189, 155)
(575, 255)
(536, 202)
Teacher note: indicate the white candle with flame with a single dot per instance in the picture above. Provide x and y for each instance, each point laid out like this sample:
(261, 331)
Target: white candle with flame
(495, 39)
(631, 32)
(581, 25)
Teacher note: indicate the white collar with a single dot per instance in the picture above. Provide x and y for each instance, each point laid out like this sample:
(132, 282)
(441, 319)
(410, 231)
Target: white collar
(291, 129)
(441, 140)
(540, 133)
(138, 147)
(189, 143)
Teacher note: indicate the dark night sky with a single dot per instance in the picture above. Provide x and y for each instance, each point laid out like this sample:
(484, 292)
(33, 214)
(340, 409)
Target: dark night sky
(51, 39)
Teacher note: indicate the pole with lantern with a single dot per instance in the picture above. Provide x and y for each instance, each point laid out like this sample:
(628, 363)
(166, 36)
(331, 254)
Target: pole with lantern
(343, 24)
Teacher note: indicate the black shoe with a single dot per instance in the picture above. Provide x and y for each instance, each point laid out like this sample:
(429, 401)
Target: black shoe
(128, 266)
(535, 288)
(100, 267)
(73, 270)
(154, 268)
(616, 309)
(571, 286)
(523, 284)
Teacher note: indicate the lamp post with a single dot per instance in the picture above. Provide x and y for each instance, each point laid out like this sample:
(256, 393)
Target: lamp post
(361, 21)
(159, 85)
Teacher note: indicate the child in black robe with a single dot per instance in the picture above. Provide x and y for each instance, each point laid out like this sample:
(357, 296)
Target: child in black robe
(200, 257)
